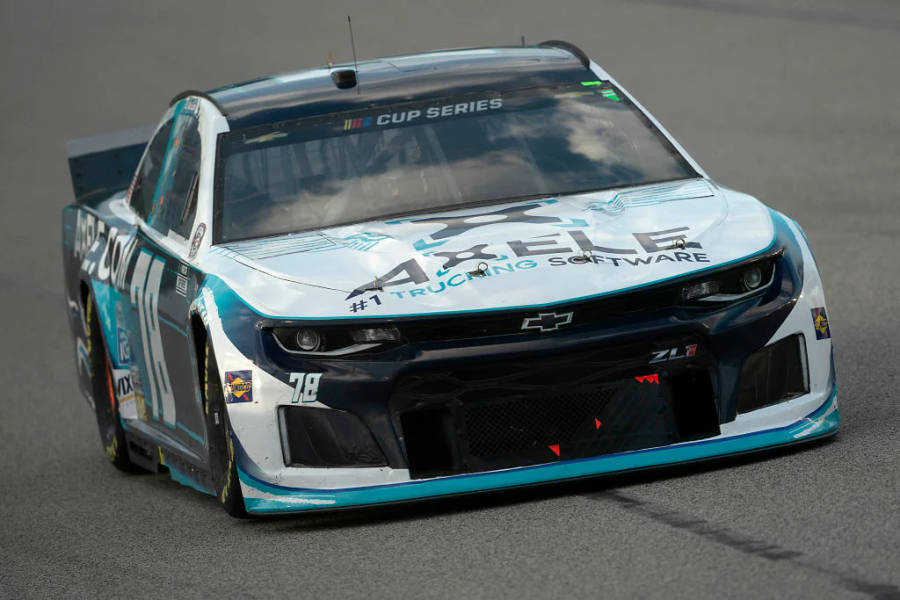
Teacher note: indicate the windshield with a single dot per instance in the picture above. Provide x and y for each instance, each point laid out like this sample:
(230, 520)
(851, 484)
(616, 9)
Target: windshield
(423, 156)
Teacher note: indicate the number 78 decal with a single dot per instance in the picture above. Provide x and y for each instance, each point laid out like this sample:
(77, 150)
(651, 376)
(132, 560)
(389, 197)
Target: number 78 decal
(145, 284)
(306, 387)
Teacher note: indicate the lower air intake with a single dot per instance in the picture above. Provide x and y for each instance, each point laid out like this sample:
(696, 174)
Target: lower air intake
(322, 437)
(774, 374)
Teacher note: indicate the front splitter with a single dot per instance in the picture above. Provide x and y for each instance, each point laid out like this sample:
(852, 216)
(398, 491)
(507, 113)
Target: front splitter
(265, 498)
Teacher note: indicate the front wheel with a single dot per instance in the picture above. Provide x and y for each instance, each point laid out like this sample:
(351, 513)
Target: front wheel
(221, 443)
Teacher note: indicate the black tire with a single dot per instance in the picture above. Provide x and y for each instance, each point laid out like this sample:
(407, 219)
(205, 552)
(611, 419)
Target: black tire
(223, 467)
(106, 409)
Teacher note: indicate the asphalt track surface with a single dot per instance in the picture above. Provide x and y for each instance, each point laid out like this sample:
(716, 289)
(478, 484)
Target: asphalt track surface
(794, 102)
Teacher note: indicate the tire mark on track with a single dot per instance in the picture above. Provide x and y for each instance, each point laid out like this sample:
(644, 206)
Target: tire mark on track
(748, 545)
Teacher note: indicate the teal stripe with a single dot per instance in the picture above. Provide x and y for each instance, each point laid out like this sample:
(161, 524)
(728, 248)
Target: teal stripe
(172, 325)
(190, 433)
(184, 479)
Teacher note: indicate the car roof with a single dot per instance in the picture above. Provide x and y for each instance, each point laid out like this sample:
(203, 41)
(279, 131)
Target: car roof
(399, 79)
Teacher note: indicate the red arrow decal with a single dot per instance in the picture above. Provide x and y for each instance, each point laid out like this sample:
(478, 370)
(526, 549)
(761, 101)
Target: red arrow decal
(597, 423)
(554, 448)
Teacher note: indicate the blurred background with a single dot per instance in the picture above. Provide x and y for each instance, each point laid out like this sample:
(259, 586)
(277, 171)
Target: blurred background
(795, 102)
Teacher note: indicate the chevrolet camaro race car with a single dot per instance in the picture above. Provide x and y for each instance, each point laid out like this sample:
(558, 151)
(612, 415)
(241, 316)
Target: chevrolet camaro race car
(429, 275)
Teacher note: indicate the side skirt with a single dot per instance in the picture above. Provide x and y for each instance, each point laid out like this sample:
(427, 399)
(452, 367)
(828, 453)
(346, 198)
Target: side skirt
(149, 455)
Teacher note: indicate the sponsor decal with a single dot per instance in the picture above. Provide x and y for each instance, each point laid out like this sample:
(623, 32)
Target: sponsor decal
(357, 123)
(431, 112)
(181, 281)
(454, 226)
(198, 237)
(616, 206)
(820, 323)
(362, 303)
(122, 346)
(610, 94)
(192, 105)
(87, 229)
(123, 385)
(414, 274)
(305, 242)
(118, 248)
(673, 353)
(139, 404)
(572, 247)
(362, 241)
(547, 321)
(306, 387)
(413, 115)
(238, 386)
(473, 253)
(266, 137)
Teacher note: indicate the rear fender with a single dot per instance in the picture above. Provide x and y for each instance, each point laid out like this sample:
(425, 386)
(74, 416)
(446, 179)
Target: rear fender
(95, 259)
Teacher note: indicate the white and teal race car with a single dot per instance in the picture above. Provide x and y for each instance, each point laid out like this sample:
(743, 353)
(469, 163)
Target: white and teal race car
(429, 275)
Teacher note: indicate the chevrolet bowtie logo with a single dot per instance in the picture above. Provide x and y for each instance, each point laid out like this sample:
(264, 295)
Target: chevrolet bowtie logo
(547, 321)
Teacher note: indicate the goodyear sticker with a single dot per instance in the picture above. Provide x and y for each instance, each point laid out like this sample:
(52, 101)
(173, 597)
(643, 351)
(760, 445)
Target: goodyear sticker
(238, 386)
(820, 323)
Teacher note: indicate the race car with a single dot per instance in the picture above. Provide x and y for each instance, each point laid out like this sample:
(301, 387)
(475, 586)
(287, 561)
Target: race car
(429, 275)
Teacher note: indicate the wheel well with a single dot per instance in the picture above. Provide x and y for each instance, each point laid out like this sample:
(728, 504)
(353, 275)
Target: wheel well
(84, 293)
(198, 334)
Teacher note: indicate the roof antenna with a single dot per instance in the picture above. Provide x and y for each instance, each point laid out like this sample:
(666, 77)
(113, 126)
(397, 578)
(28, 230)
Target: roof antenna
(523, 40)
(353, 48)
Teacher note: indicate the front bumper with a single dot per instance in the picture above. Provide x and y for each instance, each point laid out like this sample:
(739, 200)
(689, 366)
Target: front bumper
(366, 388)
(264, 498)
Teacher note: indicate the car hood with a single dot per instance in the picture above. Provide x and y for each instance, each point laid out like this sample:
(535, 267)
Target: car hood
(517, 254)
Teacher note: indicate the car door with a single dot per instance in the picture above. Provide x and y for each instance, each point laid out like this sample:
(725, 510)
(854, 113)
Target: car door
(162, 284)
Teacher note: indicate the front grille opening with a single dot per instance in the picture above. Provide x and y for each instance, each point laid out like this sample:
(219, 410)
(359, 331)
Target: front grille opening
(504, 428)
(774, 374)
(494, 430)
(428, 435)
(694, 404)
(487, 415)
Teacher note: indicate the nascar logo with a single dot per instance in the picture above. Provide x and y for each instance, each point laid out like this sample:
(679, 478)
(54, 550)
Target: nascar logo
(357, 123)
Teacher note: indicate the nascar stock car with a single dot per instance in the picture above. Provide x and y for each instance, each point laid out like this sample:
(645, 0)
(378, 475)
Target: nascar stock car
(428, 275)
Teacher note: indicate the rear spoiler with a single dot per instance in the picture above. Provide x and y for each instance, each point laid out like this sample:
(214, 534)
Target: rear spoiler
(101, 165)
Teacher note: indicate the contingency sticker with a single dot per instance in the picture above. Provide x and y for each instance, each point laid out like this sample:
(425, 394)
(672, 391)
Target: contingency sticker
(607, 92)
(238, 386)
(820, 322)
